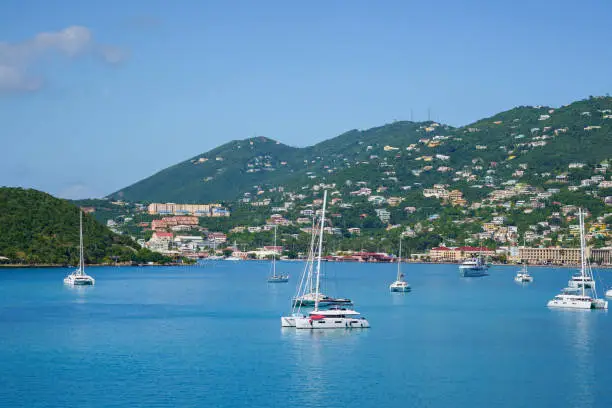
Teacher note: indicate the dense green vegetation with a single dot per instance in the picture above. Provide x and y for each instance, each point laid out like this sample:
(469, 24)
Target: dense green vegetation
(228, 171)
(37, 228)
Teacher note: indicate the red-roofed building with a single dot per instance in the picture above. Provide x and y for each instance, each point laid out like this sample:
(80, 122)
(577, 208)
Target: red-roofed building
(160, 241)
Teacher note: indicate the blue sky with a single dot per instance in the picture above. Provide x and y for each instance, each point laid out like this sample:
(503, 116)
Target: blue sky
(117, 90)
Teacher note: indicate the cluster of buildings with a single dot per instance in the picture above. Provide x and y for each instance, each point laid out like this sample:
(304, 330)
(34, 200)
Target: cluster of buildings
(198, 210)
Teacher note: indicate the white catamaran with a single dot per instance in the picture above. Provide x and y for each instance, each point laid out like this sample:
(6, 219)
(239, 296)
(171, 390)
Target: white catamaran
(79, 277)
(523, 275)
(400, 285)
(580, 296)
(335, 317)
(276, 278)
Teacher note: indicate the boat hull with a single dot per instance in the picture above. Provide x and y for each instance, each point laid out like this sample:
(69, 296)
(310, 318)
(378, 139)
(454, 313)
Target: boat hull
(287, 321)
(573, 304)
(278, 280)
(402, 289)
(473, 272)
(83, 283)
(307, 323)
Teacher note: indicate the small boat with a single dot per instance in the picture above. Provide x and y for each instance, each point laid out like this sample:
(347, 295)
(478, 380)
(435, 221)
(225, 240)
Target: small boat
(336, 317)
(581, 293)
(400, 285)
(276, 278)
(473, 267)
(523, 276)
(609, 293)
(232, 258)
(79, 277)
(213, 258)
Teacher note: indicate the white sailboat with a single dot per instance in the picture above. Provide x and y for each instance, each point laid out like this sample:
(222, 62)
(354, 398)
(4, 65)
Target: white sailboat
(79, 277)
(306, 293)
(400, 285)
(523, 275)
(583, 296)
(276, 278)
(333, 318)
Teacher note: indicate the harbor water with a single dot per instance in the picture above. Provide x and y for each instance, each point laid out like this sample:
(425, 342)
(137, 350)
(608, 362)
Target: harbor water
(210, 336)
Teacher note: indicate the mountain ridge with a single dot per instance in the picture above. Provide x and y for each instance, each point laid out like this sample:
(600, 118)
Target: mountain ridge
(525, 134)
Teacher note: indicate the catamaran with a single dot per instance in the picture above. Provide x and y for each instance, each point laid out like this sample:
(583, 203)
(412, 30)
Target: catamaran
(276, 278)
(79, 277)
(583, 296)
(400, 285)
(523, 276)
(335, 317)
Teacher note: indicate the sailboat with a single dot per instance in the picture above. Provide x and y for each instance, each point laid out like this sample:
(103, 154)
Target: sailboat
(582, 296)
(276, 278)
(523, 276)
(400, 285)
(335, 317)
(79, 277)
(306, 294)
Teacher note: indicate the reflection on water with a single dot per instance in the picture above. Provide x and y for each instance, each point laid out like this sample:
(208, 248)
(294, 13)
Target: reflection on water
(399, 298)
(579, 326)
(81, 292)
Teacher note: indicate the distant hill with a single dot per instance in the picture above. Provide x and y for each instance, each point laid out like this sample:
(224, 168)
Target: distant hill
(544, 139)
(37, 228)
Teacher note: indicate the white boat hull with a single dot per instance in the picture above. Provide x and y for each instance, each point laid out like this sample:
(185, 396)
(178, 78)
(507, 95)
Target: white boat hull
(331, 323)
(278, 279)
(287, 321)
(523, 278)
(79, 280)
(399, 287)
(570, 304)
(609, 293)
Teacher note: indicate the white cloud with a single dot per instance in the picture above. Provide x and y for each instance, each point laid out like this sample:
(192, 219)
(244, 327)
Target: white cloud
(16, 59)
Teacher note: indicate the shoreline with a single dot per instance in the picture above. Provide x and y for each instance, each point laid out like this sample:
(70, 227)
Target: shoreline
(40, 266)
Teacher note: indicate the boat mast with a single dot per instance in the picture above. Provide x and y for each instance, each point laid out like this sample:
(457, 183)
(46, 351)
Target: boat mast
(274, 254)
(311, 254)
(320, 248)
(81, 254)
(399, 260)
(582, 248)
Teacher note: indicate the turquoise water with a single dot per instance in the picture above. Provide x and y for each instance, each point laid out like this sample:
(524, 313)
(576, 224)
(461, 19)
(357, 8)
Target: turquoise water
(210, 336)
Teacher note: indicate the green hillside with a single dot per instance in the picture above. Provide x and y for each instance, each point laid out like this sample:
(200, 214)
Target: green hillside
(38, 228)
(543, 138)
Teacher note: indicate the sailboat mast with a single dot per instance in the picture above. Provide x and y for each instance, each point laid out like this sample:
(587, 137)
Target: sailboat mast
(320, 248)
(582, 248)
(399, 259)
(311, 254)
(81, 254)
(274, 254)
